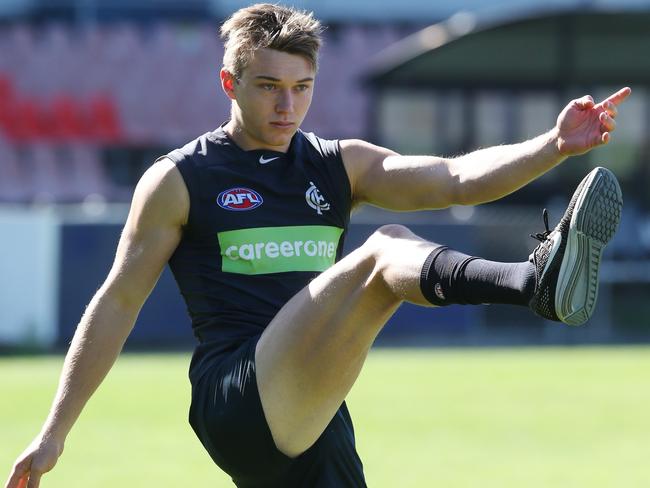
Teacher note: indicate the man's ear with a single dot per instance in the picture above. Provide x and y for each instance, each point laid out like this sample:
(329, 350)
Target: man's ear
(228, 83)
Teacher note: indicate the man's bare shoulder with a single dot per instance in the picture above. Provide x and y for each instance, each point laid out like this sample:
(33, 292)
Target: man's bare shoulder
(360, 151)
(360, 157)
(162, 192)
(162, 172)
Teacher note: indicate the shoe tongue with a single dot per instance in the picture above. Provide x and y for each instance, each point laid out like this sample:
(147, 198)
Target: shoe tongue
(553, 244)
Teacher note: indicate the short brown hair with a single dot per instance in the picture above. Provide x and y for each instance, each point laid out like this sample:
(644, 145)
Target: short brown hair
(265, 25)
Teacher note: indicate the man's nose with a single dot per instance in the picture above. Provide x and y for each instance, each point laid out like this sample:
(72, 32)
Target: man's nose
(285, 102)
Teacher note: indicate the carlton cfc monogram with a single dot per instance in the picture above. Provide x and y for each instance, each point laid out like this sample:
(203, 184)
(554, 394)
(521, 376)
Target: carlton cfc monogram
(315, 199)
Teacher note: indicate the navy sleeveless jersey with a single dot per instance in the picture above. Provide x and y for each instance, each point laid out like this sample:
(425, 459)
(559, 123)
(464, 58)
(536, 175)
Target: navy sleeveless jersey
(261, 225)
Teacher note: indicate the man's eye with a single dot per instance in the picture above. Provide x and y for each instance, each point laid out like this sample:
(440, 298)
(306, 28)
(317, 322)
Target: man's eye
(268, 86)
(302, 88)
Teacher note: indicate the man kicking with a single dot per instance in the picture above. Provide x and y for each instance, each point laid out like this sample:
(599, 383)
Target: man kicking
(251, 218)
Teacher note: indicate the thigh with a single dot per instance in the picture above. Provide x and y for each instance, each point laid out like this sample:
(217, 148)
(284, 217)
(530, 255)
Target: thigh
(333, 461)
(227, 416)
(311, 353)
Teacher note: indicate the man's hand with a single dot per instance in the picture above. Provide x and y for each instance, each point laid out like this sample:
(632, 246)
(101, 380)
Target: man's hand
(583, 124)
(39, 458)
(151, 234)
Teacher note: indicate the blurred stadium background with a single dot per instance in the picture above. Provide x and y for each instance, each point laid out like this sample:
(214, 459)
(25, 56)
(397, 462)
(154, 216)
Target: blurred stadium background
(92, 91)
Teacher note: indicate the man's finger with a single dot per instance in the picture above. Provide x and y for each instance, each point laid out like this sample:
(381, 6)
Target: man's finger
(584, 102)
(619, 96)
(17, 480)
(22, 482)
(610, 108)
(34, 480)
(607, 122)
(18, 473)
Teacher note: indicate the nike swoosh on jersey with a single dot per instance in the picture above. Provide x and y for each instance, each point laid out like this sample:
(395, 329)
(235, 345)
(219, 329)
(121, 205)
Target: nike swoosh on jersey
(264, 161)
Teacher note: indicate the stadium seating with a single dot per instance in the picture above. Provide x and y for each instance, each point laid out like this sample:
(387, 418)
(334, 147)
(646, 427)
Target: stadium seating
(86, 88)
(13, 187)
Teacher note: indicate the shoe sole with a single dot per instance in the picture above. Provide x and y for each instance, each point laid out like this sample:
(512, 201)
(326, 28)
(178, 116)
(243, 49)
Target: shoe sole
(594, 221)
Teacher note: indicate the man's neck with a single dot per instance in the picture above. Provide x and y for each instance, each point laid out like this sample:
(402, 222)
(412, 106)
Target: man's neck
(240, 136)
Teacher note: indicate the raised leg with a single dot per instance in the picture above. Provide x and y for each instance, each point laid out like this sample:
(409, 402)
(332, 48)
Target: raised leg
(310, 355)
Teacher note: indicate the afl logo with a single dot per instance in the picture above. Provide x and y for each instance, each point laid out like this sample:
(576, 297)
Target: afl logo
(239, 199)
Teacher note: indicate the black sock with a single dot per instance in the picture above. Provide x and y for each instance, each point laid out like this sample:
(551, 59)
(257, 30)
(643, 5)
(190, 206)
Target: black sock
(449, 276)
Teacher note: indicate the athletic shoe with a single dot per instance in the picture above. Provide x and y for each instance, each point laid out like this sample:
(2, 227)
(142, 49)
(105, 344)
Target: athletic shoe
(567, 259)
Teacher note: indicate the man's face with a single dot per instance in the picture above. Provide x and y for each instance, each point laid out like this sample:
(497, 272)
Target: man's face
(270, 99)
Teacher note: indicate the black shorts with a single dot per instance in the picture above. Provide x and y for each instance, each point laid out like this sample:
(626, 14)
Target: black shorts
(227, 416)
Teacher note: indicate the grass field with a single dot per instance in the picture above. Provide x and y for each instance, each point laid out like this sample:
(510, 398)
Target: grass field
(576, 417)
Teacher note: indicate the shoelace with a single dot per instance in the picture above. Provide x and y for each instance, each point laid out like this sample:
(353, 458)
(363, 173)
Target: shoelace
(542, 236)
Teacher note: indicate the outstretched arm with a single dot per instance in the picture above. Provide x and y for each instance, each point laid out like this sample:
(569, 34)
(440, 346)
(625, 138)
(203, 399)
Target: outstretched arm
(150, 235)
(384, 178)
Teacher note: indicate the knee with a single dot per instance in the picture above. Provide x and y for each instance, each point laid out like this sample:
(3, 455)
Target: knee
(397, 258)
(390, 232)
(386, 237)
(383, 245)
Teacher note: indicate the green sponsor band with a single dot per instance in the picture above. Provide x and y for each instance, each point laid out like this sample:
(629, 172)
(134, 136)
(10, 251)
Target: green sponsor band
(265, 250)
